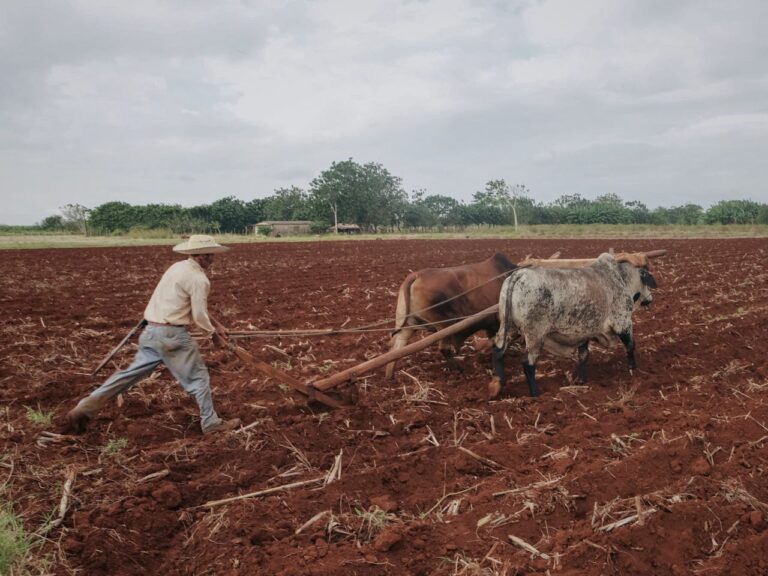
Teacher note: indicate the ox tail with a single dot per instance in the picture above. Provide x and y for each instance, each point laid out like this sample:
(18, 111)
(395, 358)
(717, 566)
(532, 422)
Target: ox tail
(507, 328)
(401, 334)
(403, 309)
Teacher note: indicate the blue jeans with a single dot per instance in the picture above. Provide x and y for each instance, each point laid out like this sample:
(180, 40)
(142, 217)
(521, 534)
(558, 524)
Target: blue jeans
(169, 345)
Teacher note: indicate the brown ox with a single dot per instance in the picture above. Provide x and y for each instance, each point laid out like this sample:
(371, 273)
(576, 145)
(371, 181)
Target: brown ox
(436, 297)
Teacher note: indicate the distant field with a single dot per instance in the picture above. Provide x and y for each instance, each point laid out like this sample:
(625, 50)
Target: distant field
(29, 240)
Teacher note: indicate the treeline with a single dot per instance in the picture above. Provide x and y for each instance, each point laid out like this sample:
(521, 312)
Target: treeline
(369, 196)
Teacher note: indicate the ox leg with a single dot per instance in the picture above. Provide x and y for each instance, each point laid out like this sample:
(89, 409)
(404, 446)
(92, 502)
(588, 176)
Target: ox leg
(497, 355)
(581, 369)
(629, 344)
(398, 341)
(448, 350)
(530, 376)
(529, 367)
(450, 347)
(498, 381)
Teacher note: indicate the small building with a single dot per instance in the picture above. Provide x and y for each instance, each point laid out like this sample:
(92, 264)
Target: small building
(279, 228)
(347, 229)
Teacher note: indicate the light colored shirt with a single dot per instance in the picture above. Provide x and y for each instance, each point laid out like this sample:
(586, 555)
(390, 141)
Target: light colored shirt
(181, 297)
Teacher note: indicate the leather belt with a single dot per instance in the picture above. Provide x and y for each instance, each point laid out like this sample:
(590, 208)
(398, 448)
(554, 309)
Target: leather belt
(166, 325)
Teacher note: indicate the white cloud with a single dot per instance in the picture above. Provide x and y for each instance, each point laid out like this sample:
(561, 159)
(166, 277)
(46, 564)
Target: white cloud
(190, 101)
(723, 125)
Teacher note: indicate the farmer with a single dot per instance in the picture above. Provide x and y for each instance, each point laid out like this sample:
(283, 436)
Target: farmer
(179, 299)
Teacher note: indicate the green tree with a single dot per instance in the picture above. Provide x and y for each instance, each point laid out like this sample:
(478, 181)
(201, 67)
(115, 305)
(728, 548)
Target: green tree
(203, 213)
(483, 212)
(686, 214)
(113, 217)
(55, 222)
(288, 204)
(335, 189)
(442, 208)
(637, 212)
(367, 195)
(607, 209)
(383, 198)
(417, 214)
(499, 197)
(733, 212)
(75, 217)
(231, 214)
(154, 216)
(660, 215)
(762, 214)
(255, 210)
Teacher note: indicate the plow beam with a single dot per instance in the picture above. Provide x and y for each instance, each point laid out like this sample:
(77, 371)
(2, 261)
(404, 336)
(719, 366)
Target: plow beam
(268, 370)
(374, 363)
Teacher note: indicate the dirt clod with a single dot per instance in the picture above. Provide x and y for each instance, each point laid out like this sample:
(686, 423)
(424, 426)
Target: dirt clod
(387, 539)
(168, 495)
(700, 466)
(385, 502)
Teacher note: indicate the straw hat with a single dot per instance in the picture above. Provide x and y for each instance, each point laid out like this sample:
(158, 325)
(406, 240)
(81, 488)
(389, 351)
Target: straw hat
(200, 244)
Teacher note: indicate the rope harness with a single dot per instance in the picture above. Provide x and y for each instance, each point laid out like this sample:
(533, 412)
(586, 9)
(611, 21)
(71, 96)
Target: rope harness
(374, 327)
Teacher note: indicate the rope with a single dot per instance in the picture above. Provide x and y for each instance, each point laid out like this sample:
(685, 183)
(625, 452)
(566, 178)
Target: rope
(373, 327)
(332, 331)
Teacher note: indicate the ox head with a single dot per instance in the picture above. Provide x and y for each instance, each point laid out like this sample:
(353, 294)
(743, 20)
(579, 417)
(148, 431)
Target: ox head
(639, 279)
(641, 285)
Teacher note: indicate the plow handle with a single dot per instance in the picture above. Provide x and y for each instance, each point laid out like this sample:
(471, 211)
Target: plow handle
(115, 350)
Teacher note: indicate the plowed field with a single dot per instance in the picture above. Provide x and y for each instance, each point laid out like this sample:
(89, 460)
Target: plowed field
(662, 472)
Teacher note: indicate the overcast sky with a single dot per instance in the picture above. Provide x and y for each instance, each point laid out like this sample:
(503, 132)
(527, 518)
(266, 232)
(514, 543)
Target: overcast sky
(189, 101)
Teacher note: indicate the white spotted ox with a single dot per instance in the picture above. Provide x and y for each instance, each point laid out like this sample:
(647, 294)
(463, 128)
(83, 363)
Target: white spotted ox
(563, 310)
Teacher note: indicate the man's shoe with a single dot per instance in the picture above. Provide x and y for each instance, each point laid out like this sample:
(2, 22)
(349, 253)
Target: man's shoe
(223, 426)
(77, 420)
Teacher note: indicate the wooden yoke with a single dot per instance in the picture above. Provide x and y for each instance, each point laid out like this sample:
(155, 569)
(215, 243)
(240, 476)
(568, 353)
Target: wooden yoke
(635, 258)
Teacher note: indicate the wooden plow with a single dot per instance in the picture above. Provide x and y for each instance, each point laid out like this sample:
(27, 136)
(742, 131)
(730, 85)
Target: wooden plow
(316, 390)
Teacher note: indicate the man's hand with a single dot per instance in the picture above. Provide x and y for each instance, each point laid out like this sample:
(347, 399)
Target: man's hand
(220, 336)
(221, 339)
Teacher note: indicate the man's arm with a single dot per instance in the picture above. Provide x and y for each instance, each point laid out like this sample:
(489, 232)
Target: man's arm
(199, 303)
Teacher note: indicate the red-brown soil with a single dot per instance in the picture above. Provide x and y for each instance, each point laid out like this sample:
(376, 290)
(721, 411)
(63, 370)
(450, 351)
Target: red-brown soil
(683, 440)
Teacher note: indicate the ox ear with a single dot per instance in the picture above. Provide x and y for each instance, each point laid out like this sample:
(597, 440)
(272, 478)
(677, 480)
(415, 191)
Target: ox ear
(647, 278)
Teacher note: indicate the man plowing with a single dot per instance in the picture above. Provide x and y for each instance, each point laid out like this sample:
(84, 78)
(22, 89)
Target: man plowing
(180, 299)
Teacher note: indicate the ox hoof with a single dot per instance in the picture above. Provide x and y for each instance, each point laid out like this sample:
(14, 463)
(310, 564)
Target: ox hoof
(494, 388)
